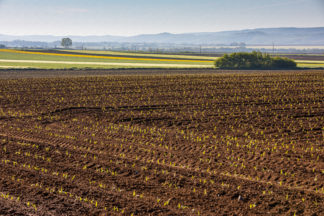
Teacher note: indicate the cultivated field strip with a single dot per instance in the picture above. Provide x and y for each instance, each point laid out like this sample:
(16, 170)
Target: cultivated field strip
(53, 59)
(163, 145)
(98, 56)
(106, 64)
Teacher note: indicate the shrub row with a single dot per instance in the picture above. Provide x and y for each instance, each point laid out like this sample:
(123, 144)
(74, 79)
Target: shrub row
(254, 60)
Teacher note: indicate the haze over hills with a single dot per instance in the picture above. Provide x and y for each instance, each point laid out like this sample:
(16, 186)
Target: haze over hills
(262, 36)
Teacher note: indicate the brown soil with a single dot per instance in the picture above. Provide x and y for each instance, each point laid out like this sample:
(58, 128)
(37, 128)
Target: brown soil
(198, 144)
(50, 73)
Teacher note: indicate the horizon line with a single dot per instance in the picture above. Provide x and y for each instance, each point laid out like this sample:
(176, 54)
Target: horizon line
(134, 35)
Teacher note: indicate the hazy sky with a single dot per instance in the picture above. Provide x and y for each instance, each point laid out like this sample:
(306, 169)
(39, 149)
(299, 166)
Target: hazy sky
(131, 17)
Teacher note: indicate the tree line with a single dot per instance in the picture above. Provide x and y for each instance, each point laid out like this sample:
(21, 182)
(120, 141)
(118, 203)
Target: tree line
(254, 60)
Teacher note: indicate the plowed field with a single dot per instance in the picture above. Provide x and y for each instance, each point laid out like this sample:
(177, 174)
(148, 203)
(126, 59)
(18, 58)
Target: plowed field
(213, 144)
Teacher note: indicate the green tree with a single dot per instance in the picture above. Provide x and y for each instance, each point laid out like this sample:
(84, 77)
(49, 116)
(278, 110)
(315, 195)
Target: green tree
(66, 42)
(254, 60)
(282, 62)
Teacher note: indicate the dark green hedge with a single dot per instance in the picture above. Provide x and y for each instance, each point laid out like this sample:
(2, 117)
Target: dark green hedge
(254, 60)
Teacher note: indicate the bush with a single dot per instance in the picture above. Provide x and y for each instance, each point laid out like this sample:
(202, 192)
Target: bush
(279, 62)
(254, 60)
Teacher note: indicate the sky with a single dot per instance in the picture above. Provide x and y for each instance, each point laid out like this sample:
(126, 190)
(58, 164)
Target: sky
(133, 17)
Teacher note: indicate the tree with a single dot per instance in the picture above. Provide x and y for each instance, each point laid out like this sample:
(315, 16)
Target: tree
(283, 62)
(66, 42)
(254, 60)
(2, 46)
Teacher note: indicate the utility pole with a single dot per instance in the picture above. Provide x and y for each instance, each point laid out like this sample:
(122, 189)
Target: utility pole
(273, 48)
(200, 49)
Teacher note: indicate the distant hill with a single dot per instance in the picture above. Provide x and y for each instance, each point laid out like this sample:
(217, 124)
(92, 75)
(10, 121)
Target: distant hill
(262, 36)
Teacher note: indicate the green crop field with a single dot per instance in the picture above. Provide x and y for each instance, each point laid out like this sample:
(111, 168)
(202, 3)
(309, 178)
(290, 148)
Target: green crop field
(27, 59)
(145, 54)
(107, 59)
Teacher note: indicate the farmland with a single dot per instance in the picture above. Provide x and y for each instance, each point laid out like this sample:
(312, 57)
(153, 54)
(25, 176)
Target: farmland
(204, 143)
(40, 59)
(90, 59)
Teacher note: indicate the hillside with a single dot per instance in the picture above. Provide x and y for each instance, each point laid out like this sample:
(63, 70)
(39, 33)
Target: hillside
(265, 36)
